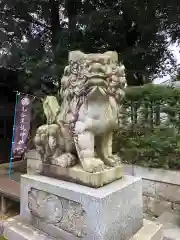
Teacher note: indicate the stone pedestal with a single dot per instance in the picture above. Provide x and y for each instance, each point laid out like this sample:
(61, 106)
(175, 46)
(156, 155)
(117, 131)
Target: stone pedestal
(69, 211)
(74, 174)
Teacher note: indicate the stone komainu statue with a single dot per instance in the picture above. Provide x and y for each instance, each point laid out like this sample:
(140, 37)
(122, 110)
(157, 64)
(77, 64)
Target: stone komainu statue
(80, 130)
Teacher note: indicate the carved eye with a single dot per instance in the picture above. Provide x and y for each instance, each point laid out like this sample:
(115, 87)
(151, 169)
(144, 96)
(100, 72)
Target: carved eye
(67, 71)
(86, 64)
(75, 68)
(123, 84)
(73, 79)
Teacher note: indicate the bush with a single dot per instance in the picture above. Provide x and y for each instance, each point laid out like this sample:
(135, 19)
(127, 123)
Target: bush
(159, 147)
(147, 140)
(150, 101)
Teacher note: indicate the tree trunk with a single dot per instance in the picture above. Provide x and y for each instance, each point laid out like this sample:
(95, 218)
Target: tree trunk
(72, 8)
(55, 24)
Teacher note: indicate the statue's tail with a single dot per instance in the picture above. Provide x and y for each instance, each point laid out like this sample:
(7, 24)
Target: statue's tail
(51, 109)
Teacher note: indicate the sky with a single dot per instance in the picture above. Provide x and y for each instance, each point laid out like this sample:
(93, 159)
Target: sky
(176, 51)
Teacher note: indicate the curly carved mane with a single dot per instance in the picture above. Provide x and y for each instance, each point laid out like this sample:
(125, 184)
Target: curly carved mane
(88, 71)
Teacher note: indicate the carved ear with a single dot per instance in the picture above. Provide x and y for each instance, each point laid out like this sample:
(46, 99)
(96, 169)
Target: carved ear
(43, 99)
(113, 55)
(76, 56)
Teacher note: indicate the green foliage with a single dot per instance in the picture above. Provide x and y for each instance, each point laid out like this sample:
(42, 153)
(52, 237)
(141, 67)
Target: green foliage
(36, 35)
(151, 101)
(152, 93)
(38, 113)
(150, 148)
(148, 140)
(2, 238)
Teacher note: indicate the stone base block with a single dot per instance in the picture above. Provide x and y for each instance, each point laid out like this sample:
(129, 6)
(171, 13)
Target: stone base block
(72, 212)
(74, 174)
(78, 175)
(18, 229)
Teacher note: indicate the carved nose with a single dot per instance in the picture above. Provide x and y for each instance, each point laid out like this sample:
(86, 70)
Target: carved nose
(97, 68)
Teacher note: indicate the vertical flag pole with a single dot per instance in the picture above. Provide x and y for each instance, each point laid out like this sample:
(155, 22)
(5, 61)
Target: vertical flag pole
(13, 132)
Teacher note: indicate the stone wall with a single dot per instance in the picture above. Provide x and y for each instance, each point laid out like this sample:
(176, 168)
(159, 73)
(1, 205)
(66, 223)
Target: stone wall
(18, 166)
(161, 188)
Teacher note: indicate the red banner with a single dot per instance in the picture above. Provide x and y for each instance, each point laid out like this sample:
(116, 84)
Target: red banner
(22, 125)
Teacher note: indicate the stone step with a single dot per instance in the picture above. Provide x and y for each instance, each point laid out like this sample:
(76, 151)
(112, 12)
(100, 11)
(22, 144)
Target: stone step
(150, 231)
(171, 234)
(171, 225)
(16, 229)
(169, 217)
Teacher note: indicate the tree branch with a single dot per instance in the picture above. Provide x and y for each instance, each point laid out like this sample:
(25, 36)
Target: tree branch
(29, 19)
(23, 15)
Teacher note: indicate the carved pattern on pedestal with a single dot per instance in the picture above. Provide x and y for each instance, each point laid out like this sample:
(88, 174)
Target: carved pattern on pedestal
(45, 206)
(59, 212)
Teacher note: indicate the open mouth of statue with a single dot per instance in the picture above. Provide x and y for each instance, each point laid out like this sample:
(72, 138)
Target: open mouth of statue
(94, 89)
(97, 81)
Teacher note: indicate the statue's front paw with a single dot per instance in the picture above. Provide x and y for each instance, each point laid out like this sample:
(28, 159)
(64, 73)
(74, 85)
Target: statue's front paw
(65, 160)
(113, 161)
(93, 165)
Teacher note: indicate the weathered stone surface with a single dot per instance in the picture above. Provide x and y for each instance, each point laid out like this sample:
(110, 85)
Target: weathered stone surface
(149, 188)
(34, 166)
(176, 207)
(158, 175)
(149, 231)
(112, 212)
(158, 206)
(128, 169)
(45, 206)
(171, 234)
(18, 229)
(149, 217)
(168, 192)
(78, 175)
(73, 219)
(75, 174)
(81, 129)
(166, 181)
(145, 203)
(171, 217)
(159, 184)
(32, 154)
(171, 225)
(57, 212)
(16, 166)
